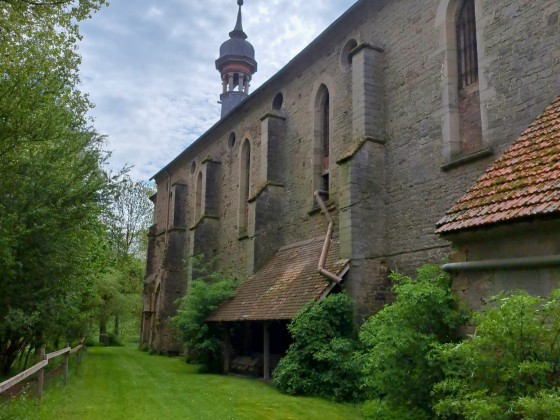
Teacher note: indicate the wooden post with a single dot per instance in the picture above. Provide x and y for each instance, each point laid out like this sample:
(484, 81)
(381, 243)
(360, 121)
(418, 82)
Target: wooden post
(66, 359)
(79, 354)
(227, 350)
(41, 377)
(266, 352)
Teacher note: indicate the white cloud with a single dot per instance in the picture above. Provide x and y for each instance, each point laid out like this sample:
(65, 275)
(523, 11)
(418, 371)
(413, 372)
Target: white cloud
(147, 67)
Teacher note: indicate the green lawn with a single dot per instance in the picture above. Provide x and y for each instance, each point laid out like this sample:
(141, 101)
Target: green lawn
(124, 383)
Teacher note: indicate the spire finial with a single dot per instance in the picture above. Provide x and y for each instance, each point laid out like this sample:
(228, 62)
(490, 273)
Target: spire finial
(238, 30)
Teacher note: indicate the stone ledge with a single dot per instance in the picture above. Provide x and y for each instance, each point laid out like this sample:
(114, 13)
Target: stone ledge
(262, 188)
(356, 146)
(210, 160)
(363, 46)
(463, 160)
(199, 221)
(272, 115)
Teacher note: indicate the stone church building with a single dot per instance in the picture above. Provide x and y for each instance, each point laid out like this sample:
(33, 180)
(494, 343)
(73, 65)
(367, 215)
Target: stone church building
(336, 170)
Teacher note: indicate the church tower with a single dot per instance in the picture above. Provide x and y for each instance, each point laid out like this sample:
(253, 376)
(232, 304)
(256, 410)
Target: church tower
(236, 65)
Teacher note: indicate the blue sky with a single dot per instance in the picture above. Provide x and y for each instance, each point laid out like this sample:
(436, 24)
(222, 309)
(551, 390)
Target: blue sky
(149, 67)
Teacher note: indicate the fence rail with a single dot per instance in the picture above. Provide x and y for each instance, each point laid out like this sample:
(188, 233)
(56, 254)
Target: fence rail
(40, 367)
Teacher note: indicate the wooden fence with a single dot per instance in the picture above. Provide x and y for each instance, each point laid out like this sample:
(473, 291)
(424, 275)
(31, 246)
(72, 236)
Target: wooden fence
(40, 367)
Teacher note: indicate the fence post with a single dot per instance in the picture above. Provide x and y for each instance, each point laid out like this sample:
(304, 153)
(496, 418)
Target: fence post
(41, 378)
(79, 355)
(66, 357)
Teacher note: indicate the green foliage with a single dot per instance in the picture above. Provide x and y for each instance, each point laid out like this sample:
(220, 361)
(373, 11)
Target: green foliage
(51, 183)
(382, 409)
(203, 340)
(123, 382)
(397, 371)
(320, 360)
(510, 368)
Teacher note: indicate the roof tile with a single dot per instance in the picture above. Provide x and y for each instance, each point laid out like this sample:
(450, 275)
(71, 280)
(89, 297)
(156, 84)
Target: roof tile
(283, 286)
(523, 182)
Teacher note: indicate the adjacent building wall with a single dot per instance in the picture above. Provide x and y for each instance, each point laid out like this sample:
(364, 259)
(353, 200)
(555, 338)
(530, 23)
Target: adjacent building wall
(523, 244)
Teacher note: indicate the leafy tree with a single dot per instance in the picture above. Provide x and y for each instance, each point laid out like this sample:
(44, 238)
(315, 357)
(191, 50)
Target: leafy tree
(50, 179)
(320, 360)
(510, 367)
(397, 342)
(203, 340)
(126, 218)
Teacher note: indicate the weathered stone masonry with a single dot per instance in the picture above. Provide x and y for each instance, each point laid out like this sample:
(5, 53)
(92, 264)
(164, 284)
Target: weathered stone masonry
(393, 167)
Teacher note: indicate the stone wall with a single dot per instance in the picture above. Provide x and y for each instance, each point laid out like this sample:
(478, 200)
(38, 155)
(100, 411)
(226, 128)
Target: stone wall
(515, 243)
(391, 177)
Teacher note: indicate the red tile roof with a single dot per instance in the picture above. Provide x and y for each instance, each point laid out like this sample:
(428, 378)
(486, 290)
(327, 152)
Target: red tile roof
(284, 285)
(524, 182)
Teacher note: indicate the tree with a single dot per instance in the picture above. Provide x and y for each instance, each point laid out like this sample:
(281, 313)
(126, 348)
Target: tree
(51, 184)
(127, 217)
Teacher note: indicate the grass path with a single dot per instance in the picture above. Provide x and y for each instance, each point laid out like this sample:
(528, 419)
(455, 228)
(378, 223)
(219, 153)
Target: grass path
(124, 383)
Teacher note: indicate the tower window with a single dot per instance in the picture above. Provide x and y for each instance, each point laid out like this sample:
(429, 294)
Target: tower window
(467, 58)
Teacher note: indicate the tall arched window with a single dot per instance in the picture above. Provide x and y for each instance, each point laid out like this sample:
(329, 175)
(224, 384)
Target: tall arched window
(322, 138)
(198, 198)
(467, 72)
(463, 110)
(467, 54)
(244, 185)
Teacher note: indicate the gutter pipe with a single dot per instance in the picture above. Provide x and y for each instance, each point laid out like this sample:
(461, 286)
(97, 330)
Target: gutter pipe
(504, 264)
(323, 259)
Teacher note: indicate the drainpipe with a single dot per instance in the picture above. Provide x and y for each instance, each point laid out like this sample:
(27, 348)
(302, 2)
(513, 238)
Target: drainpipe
(325, 251)
(504, 264)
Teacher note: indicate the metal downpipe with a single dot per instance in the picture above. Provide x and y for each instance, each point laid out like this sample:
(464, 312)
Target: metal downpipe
(324, 252)
(504, 264)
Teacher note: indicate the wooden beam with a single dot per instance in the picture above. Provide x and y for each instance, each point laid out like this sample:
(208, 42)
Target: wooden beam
(266, 351)
(58, 353)
(21, 376)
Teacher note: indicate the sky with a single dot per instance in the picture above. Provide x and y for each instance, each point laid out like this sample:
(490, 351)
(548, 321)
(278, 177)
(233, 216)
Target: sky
(148, 66)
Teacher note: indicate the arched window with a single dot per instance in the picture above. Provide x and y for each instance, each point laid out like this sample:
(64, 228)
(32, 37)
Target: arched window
(244, 186)
(467, 54)
(463, 112)
(467, 79)
(198, 198)
(322, 138)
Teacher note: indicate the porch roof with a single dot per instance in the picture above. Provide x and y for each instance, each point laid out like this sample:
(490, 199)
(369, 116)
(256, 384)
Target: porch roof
(284, 285)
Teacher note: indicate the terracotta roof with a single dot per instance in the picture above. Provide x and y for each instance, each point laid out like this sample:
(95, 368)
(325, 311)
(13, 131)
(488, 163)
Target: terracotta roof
(524, 182)
(284, 285)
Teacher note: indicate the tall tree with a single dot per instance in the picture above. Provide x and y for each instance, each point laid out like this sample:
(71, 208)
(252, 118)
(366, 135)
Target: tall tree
(51, 185)
(126, 218)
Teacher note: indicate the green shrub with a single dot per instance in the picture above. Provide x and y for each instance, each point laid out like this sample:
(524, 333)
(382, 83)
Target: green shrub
(510, 368)
(382, 409)
(397, 371)
(320, 360)
(203, 340)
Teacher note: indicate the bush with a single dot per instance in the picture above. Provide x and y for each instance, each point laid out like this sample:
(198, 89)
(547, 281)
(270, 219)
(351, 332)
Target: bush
(320, 361)
(397, 371)
(510, 368)
(203, 340)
